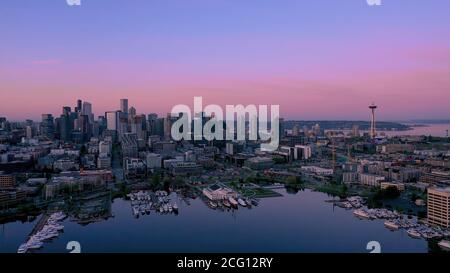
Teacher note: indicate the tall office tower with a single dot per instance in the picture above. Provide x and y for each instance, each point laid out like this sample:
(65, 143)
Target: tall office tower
(159, 127)
(122, 124)
(132, 112)
(138, 125)
(101, 124)
(124, 106)
(65, 124)
(152, 116)
(87, 111)
(355, 130)
(48, 126)
(129, 145)
(439, 206)
(95, 129)
(66, 110)
(84, 127)
(151, 123)
(373, 132)
(168, 127)
(111, 120)
(79, 106)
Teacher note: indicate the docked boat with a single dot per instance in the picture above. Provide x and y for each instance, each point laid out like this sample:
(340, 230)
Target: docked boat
(226, 203)
(161, 210)
(254, 202)
(175, 207)
(212, 205)
(445, 245)
(414, 233)
(391, 225)
(35, 245)
(233, 202)
(361, 214)
(136, 211)
(170, 207)
(242, 202)
(249, 202)
(22, 248)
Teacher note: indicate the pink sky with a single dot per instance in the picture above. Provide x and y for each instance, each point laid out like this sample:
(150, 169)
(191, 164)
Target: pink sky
(322, 65)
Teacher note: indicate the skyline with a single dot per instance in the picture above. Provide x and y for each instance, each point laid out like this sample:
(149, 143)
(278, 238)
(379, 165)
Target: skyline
(316, 63)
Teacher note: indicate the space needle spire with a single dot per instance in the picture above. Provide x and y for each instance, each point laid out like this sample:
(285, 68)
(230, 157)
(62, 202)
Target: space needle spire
(373, 131)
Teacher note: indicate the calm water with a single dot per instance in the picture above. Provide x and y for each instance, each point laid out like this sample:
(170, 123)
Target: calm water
(436, 130)
(300, 222)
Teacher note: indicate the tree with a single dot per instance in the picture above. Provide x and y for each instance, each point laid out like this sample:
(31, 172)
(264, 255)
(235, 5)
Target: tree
(156, 180)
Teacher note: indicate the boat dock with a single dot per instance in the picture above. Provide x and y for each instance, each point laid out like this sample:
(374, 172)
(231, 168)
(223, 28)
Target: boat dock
(40, 224)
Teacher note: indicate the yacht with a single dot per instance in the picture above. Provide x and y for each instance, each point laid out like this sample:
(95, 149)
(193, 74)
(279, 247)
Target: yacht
(361, 214)
(212, 204)
(233, 202)
(226, 203)
(22, 248)
(35, 245)
(391, 225)
(445, 245)
(242, 202)
(414, 234)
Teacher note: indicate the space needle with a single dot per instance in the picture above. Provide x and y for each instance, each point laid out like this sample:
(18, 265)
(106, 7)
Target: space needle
(373, 131)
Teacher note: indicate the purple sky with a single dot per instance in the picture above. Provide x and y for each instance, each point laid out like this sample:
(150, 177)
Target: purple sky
(317, 59)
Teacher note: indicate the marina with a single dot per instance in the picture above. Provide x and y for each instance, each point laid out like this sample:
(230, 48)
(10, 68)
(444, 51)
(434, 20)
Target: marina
(396, 221)
(143, 202)
(240, 229)
(49, 231)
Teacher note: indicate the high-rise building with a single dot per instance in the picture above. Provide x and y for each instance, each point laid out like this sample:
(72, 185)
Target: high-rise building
(65, 125)
(111, 120)
(124, 106)
(132, 112)
(87, 111)
(79, 106)
(439, 207)
(48, 126)
(129, 145)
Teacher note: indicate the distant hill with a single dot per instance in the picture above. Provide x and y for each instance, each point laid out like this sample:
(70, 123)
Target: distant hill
(346, 125)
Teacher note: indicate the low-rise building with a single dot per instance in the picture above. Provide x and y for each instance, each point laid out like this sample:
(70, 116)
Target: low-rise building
(219, 192)
(398, 186)
(317, 170)
(371, 179)
(104, 161)
(259, 163)
(7, 181)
